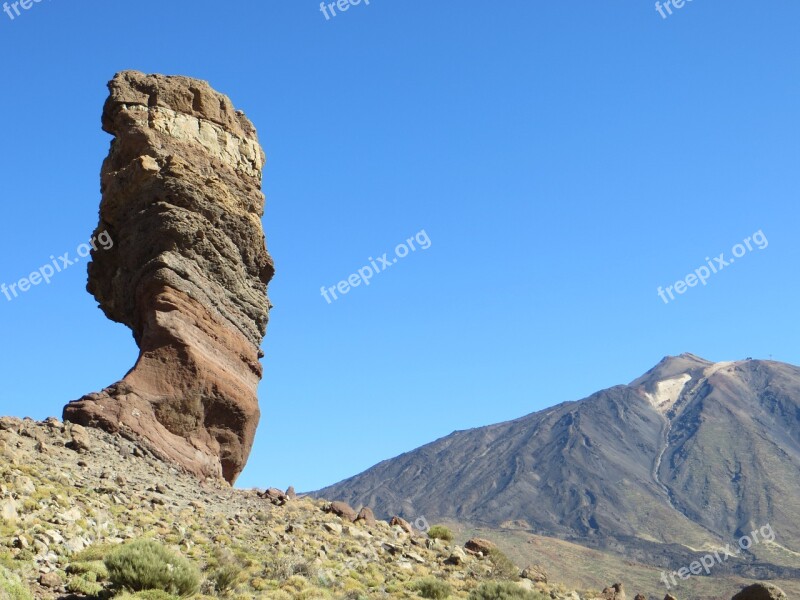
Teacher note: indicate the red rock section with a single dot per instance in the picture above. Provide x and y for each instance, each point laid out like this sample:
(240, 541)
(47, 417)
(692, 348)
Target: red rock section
(188, 272)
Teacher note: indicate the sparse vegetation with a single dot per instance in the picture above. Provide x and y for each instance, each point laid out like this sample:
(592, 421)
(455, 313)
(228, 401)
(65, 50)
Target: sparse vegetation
(440, 532)
(503, 568)
(432, 588)
(238, 546)
(147, 565)
(84, 586)
(11, 587)
(226, 572)
(504, 590)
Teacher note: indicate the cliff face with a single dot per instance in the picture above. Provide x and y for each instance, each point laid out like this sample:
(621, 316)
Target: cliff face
(188, 272)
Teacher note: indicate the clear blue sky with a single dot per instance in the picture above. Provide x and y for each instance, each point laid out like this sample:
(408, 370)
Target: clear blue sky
(565, 159)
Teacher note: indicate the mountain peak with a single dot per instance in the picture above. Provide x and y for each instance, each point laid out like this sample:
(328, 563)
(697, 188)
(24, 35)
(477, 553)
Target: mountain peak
(672, 366)
(664, 383)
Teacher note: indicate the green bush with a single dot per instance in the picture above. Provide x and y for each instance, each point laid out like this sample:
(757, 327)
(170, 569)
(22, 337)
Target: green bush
(504, 590)
(440, 532)
(282, 568)
(95, 553)
(226, 572)
(432, 588)
(225, 578)
(84, 586)
(95, 568)
(147, 565)
(12, 587)
(502, 566)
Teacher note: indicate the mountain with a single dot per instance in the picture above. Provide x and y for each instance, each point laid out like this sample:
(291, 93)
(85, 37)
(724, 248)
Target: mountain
(691, 456)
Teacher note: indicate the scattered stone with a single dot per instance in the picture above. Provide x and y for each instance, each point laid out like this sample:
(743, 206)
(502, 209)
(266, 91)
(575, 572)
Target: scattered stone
(70, 516)
(415, 557)
(335, 528)
(11, 424)
(54, 423)
(276, 496)
(53, 537)
(76, 545)
(392, 549)
(291, 493)
(21, 542)
(8, 511)
(24, 485)
(357, 533)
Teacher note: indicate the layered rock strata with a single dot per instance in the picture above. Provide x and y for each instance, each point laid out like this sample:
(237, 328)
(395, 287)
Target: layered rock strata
(187, 272)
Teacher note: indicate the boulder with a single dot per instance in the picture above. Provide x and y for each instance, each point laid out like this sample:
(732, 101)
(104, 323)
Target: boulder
(457, 557)
(12, 424)
(367, 516)
(276, 496)
(343, 510)
(79, 439)
(8, 511)
(179, 257)
(479, 546)
(761, 591)
(535, 573)
(51, 580)
(402, 524)
(615, 592)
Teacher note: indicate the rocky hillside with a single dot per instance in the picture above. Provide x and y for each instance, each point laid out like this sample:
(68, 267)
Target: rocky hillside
(689, 457)
(69, 495)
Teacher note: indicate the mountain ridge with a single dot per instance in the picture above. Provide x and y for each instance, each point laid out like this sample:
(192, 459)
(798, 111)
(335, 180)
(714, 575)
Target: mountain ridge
(686, 457)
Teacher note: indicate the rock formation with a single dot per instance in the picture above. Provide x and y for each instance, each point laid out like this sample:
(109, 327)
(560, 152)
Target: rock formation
(187, 272)
(761, 591)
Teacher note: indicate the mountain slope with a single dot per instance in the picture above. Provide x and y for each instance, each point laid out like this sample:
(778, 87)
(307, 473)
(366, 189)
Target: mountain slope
(692, 454)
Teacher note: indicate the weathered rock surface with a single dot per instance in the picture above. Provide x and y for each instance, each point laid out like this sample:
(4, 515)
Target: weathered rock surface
(479, 546)
(535, 573)
(187, 272)
(367, 516)
(761, 591)
(343, 510)
(615, 592)
(274, 495)
(402, 524)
